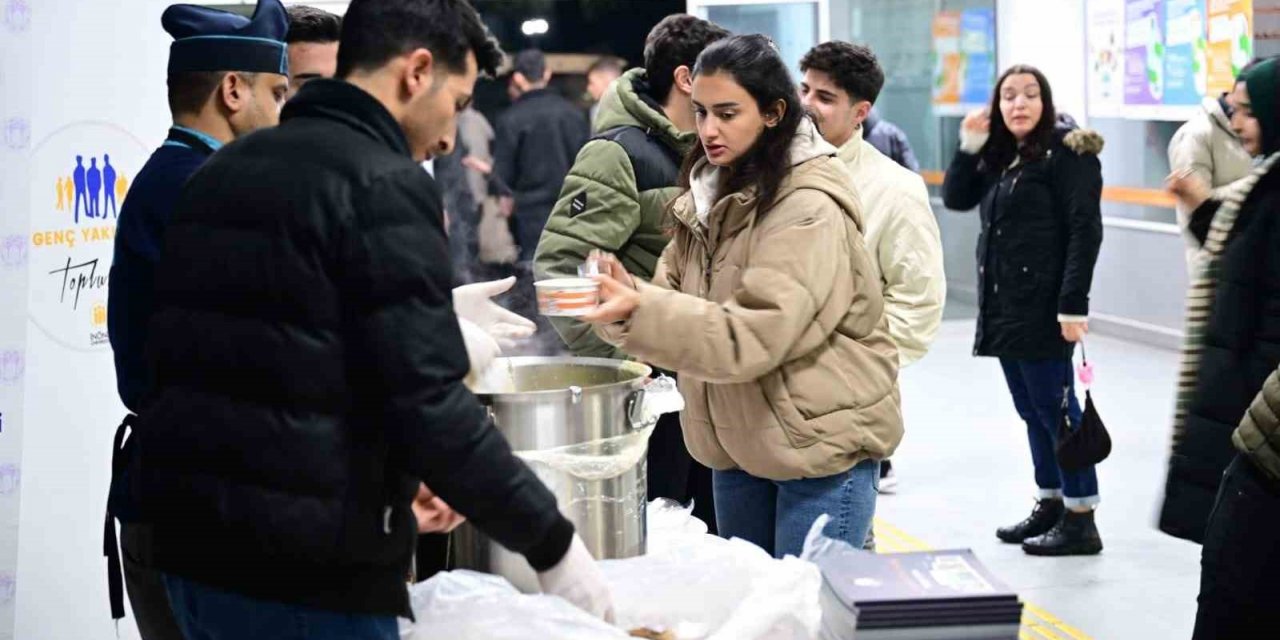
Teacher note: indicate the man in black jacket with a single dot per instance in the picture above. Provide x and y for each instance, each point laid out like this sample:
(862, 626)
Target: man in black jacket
(535, 144)
(308, 366)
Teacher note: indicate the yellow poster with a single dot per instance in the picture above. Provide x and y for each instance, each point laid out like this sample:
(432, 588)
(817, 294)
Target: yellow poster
(948, 61)
(1230, 42)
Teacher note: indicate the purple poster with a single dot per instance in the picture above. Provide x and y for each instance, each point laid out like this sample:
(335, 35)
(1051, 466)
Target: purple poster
(1144, 71)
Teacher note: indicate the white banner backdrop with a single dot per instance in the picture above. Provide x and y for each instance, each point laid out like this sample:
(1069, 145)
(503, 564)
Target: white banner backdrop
(83, 86)
(82, 105)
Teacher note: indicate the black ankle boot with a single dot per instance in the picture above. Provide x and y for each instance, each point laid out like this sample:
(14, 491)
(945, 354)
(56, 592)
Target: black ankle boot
(1075, 535)
(1046, 513)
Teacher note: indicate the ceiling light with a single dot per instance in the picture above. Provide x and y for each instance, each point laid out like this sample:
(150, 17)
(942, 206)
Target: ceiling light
(535, 27)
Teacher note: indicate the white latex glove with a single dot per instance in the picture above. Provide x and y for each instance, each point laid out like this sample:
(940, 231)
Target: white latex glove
(578, 579)
(474, 302)
(482, 349)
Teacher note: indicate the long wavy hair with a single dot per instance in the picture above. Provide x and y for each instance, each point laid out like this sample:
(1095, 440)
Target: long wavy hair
(1001, 147)
(754, 63)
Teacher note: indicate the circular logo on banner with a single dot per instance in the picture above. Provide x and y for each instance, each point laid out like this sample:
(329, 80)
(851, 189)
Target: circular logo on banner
(11, 367)
(17, 14)
(10, 479)
(13, 252)
(80, 176)
(17, 133)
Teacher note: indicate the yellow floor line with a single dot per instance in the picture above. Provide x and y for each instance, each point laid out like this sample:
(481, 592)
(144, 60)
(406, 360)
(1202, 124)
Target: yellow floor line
(895, 532)
(1058, 624)
(888, 543)
(1039, 630)
(891, 539)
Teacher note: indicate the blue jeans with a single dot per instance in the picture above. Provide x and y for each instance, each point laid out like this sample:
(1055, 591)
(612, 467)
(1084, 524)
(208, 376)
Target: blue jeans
(206, 613)
(1036, 386)
(776, 516)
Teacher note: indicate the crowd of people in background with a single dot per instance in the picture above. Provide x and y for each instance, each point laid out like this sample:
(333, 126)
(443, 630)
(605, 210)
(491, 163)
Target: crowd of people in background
(293, 351)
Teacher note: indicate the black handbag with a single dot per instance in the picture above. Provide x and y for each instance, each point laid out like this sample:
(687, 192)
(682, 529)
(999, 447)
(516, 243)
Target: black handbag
(1088, 444)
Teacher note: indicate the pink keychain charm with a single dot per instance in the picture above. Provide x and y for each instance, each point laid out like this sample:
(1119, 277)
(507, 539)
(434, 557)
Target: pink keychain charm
(1084, 370)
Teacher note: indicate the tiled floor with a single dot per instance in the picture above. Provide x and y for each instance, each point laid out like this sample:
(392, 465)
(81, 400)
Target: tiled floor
(964, 470)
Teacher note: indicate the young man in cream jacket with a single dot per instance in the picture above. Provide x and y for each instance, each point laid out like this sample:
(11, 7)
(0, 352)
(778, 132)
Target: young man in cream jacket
(841, 83)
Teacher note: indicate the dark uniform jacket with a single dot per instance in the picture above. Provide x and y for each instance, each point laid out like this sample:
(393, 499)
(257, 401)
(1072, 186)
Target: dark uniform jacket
(308, 372)
(143, 218)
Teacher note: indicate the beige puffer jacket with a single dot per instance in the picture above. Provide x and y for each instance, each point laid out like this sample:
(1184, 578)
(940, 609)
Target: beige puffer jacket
(1208, 147)
(775, 324)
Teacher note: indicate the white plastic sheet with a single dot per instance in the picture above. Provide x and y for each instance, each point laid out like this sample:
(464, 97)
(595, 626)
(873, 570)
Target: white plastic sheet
(717, 590)
(838, 620)
(698, 586)
(465, 605)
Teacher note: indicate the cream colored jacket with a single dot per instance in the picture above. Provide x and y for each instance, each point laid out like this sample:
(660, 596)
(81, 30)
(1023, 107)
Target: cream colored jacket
(902, 236)
(1210, 149)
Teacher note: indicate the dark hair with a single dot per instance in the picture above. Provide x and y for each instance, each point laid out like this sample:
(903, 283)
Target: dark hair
(375, 31)
(530, 63)
(1001, 147)
(853, 67)
(1244, 71)
(673, 43)
(309, 24)
(190, 90)
(607, 63)
(755, 64)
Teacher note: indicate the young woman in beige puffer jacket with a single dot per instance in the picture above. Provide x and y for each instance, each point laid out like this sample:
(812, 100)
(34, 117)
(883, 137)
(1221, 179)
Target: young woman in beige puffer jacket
(768, 306)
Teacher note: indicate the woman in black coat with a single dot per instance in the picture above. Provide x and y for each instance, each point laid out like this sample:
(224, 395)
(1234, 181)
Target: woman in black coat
(1220, 446)
(1038, 181)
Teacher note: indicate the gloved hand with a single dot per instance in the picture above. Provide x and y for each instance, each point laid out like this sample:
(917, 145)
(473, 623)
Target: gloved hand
(577, 578)
(482, 349)
(474, 302)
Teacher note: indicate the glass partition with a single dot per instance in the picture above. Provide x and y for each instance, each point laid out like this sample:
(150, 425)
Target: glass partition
(901, 32)
(795, 25)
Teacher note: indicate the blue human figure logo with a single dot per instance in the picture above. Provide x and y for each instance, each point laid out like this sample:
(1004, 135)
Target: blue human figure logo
(95, 189)
(109, 186)
(81, 193)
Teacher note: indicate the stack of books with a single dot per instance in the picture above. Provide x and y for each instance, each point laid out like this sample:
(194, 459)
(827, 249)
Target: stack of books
(928, 595)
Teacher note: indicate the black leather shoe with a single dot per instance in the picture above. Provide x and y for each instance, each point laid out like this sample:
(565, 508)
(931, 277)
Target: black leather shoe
(1075, 535)
(1046, 513)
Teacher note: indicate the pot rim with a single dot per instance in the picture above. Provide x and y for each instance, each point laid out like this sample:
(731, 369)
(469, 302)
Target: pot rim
(643, 371)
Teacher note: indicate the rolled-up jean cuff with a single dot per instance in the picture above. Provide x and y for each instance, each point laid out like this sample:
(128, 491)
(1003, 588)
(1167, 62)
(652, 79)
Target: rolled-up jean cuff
(1048, 494)
(1076, 503)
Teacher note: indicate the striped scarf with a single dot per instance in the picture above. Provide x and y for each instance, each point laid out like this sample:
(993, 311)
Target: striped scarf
(1200, 297)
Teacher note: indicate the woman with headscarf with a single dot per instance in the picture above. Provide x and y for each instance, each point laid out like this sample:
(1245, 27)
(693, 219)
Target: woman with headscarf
(1232, 346)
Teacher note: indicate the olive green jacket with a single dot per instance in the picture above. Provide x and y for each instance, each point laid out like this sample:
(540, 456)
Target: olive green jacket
(1259, 433)
(612, 204)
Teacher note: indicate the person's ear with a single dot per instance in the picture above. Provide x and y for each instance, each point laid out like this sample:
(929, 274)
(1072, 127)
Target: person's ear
(419, 74)
(546, 76)
(776, 112)
(234, 92)
(861, 111)
(683, 79)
